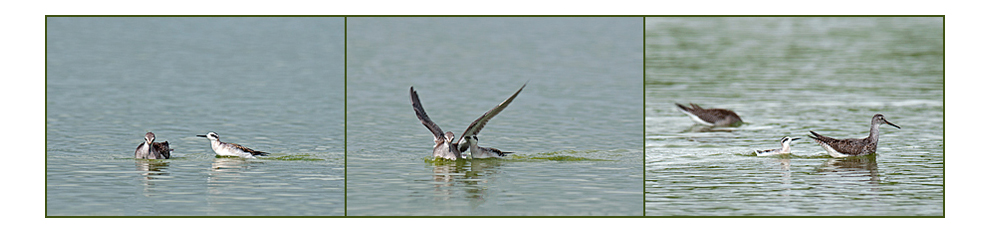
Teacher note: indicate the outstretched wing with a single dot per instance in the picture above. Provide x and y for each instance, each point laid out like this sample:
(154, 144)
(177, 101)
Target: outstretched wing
(478, 124)
(421, 114)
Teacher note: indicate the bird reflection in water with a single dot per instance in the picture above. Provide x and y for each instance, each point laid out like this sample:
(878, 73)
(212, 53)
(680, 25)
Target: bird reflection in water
(865, 166)
(224, 168)
(473, 177)
(785, 169)
(151, 170)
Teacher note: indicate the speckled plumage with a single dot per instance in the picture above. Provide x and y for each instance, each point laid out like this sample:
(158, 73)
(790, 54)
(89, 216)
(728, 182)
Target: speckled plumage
(853, 146)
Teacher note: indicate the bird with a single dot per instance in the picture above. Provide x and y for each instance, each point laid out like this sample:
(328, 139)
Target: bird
(230, 149)
(711, 116)
(446, 146)
(151, 149)
(853, 146)
(478, 152)
(785, 144)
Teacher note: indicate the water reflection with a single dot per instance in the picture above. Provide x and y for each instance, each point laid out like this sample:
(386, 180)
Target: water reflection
(224, 168)
(785, 170)
(152, 169)
(476, 175)
(852, 167)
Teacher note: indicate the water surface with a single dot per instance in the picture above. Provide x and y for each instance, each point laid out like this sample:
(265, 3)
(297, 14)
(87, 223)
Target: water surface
(576, 129)
(271, 84)
(784, 77)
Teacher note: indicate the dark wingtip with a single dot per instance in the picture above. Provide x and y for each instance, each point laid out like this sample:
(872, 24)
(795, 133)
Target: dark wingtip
(681, 106)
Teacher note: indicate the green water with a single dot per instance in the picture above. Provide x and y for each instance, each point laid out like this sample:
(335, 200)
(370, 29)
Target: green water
(271, 84)
(576, 129)
(784, 77)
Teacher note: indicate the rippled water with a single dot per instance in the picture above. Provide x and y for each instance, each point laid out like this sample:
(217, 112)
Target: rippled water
(576, 128)
(274, 84)
(271, 84)
(784, 77)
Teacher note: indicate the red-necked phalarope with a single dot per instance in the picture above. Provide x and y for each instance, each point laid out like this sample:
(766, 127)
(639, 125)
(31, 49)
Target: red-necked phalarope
(853, 146)
(446, 147)
(785, 144)
(151, 149)
(230, 149)
(711, 116)
(478, 152)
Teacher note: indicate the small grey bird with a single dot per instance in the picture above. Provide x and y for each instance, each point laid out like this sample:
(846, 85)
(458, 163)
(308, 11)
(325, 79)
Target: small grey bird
(150, 149)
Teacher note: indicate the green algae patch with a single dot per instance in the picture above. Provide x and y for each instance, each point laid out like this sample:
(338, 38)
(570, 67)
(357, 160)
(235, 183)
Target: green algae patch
(567, 158)
(437, 161)
(564, 155)
(302, 157)
(554, 153)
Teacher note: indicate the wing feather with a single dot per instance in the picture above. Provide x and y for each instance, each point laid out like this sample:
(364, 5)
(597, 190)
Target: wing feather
(421, 114)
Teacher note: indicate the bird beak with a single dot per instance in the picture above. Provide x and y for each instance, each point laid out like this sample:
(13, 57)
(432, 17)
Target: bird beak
(891, 124)
(201, 136)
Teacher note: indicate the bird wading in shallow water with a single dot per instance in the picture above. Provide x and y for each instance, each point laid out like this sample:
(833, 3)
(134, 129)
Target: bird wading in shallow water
(230, 149)
(853, 146)
(447, 145)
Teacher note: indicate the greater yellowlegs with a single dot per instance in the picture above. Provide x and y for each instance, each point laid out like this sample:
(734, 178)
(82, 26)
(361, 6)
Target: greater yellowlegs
(785, 148)
(448, 148)
(711, 116)
(853, 146)
(230, 149)
(151, 149)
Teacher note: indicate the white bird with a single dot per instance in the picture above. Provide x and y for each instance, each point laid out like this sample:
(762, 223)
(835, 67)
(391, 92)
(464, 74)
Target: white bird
(785, 148)
(230, 149)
